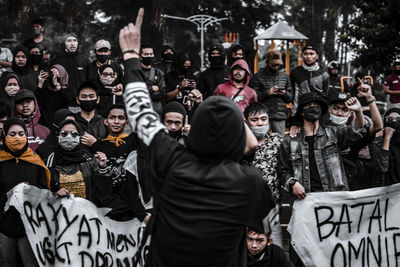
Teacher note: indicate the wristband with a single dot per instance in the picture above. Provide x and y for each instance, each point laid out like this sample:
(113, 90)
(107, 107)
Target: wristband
(130, 51)
(371, 101)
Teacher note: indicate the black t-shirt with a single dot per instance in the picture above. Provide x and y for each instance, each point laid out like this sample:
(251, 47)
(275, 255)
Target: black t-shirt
(315, 179)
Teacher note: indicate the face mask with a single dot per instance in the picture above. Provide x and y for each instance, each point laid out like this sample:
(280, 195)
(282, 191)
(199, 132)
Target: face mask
(147, 60)
(102, 58)
(36, 59)
(395, 125)
(15, 143)
(68, 142)
(168, 56)
(88, 105)
(36, 31)
(175, 134)
(260, 131)
(216, 60)
(312, 114)
(396, 72)
(12, 90)
(107, 80)
(339, 120)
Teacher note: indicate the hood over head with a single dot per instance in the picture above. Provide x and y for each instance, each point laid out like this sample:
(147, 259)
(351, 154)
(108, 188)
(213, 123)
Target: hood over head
(64, 78)
(217, 130)
(242, 63)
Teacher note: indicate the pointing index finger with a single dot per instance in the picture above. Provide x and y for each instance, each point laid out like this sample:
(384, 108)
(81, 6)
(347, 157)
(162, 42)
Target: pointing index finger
(139, 18)
(361, 81)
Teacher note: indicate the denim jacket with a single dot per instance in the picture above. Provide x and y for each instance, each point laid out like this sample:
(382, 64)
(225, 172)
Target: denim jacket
(329, 141)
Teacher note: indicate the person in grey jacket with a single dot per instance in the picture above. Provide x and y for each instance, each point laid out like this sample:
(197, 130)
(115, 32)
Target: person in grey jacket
(273, 90)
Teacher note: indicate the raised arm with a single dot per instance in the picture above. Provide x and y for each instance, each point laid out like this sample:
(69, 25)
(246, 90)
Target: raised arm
(142, 118)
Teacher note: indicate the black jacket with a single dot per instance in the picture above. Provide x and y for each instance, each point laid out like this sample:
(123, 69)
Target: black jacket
(76, 66)
(203, 197)
(13, 172)
(265, 79)
(94, 127)
(271, 256)
(211, 78)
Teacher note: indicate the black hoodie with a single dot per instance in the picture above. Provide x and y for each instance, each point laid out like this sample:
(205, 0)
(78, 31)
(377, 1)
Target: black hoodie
(203, 198)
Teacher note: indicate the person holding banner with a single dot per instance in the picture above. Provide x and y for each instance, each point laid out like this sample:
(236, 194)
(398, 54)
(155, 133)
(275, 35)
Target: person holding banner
(203, 197)
(18, 164)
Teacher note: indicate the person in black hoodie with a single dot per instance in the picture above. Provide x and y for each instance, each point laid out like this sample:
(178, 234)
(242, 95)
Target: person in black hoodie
(21, 66)
(18, 164)
(216, 74)
(202, 194)
(75, 65)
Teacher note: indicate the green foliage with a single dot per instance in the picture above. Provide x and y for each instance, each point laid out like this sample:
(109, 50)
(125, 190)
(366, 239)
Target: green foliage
(375, 32)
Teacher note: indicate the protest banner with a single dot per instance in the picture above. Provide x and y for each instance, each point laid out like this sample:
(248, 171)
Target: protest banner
(353, 228)
(73, 231)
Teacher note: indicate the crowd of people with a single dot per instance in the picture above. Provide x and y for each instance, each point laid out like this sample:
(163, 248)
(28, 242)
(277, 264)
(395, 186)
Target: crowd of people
(158, 142)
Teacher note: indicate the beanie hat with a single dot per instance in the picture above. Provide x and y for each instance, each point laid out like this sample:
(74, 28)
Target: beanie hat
(174, 107)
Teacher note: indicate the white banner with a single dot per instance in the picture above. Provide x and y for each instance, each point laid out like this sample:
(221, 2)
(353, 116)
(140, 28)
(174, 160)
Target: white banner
(358, 228)
(73, 231)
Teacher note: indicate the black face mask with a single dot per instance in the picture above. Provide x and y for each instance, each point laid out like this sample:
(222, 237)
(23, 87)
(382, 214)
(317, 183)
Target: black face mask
(36, 59)
(184, 71)
(102, 58)
(395, 125)
(174, 134)
(147, 60)
(312, 114)
(396, 72)
(216, 60)
(168, 56)
(88, 105)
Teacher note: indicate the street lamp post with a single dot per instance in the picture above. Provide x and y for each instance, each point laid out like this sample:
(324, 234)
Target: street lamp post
(202, 22)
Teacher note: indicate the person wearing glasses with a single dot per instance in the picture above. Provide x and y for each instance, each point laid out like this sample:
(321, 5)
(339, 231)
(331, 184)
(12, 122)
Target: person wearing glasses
(109, 89)
(73, 168)
(273, 90)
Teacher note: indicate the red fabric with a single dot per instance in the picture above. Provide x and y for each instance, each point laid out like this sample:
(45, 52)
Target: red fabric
(246, 96)
(394, 84)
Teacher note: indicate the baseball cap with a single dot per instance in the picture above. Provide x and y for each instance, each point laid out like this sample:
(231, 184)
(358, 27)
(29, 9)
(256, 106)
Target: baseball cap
(102, 44)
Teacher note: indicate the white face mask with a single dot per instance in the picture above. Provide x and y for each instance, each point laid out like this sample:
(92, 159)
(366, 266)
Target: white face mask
(68, 142)
(106, 80)
(260, 131)
(12, 90)
(338, 120)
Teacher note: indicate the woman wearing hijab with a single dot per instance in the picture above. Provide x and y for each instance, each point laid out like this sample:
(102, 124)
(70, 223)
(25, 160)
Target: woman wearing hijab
(53, 93)
(10, 88)
(21, 65)
(385, 149)
(18, 164)
(110, 89)
(73, 168)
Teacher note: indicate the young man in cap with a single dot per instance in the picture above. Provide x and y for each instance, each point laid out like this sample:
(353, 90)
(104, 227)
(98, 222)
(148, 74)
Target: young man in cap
(273, 90)
(102, 50)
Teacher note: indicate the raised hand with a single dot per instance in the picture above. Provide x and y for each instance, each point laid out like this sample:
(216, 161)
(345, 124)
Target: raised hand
(129, 37)
(353, 104)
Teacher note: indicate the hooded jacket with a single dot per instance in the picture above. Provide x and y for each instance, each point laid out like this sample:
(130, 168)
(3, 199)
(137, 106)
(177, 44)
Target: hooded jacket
(246, 96)
(37, 133)
(203, 197)
(27, 76)
(214, 75)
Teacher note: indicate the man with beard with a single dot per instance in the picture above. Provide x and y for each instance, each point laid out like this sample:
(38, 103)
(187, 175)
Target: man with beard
(309, 77)
(236, 88)
(154, 77)
(273, 90)
(216, 74)
(391, 86)
(75, 65)
(201, 194)
(102, 50)
(90, 122)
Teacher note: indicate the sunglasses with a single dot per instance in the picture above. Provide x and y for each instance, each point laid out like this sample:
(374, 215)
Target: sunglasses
(65, 134)
(392, 119)
(276, 65)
